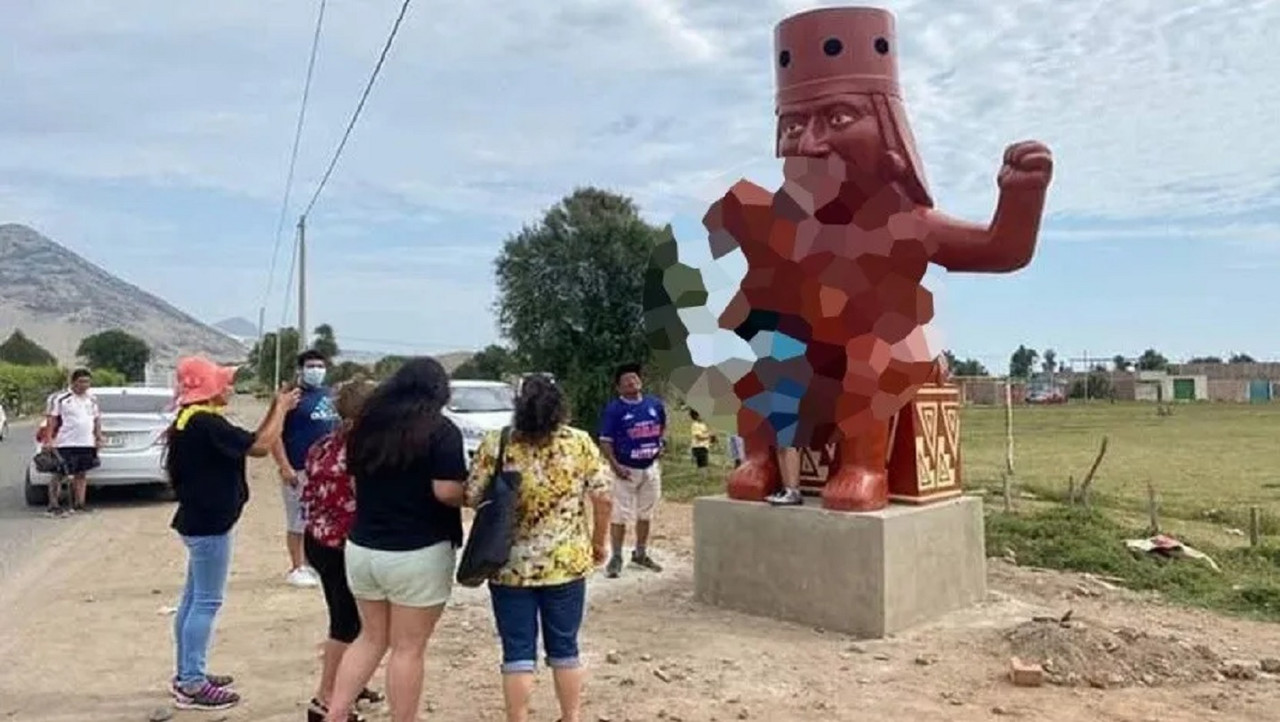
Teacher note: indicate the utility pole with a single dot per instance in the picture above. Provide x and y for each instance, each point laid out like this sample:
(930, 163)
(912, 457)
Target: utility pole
(303, 333)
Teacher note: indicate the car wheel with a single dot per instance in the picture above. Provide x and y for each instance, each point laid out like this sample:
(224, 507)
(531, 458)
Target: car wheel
(36, 495)
(165, 492)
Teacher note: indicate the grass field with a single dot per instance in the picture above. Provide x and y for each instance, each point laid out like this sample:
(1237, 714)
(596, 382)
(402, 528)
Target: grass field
(1206, 461)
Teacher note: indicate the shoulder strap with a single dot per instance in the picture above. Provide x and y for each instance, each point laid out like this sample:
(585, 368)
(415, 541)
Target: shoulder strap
(502, 449)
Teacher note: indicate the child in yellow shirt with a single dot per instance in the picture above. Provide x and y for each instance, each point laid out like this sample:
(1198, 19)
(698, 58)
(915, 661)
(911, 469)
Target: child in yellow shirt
(701, 441)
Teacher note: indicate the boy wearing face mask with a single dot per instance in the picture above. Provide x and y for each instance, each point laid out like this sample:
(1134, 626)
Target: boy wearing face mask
(314, 418)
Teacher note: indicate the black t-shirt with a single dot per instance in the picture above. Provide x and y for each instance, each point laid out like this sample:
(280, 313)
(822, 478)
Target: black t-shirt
(400, 512)
(208, 462)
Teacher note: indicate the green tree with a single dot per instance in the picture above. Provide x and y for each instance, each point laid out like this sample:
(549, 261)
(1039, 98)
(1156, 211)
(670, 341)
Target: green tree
(571, 293)
(22, 351)
(967, 367)
(1121, 363)
(1152, 360)
(1050, 363)
(325, 341)
(387, 365)
(347, 370)
(1022, 362)
(116, 350)
(1241, 358)
(493, 363)
(263, 356)
(1205, 360)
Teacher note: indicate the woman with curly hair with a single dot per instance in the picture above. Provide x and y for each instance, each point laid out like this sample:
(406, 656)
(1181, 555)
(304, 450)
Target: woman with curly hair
(409, 467)
(544, 581)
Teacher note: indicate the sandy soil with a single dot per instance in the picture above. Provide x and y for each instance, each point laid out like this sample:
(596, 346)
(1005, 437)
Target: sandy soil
(85, 635)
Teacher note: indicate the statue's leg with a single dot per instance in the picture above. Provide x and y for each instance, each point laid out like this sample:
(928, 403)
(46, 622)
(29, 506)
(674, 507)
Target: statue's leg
(758, 476)
(860, 482)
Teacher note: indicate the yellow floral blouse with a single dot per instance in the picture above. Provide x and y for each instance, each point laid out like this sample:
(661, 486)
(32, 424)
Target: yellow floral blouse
(553, 542)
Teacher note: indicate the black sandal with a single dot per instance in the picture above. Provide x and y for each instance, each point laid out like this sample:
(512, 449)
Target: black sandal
(370, 696)
(318, 711)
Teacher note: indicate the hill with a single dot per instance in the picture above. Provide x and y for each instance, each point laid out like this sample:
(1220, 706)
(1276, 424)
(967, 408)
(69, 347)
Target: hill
(238, 327)
(57, 298)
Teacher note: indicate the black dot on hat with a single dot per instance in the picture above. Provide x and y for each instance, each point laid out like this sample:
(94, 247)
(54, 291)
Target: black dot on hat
(832, 47)
(784, 58)
(882, 46)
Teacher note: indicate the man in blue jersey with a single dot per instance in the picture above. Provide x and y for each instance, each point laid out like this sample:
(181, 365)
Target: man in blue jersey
(314, 417)
(631, 436)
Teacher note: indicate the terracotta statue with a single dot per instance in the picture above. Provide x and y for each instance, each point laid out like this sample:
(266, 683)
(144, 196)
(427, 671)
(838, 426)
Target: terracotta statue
(832, 299)
(836, 257)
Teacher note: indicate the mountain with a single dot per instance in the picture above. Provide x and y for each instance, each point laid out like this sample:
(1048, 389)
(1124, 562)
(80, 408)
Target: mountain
(57, 298)
(238, 327)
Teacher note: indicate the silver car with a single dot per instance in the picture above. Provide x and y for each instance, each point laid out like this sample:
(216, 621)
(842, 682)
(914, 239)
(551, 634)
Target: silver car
(134, 422)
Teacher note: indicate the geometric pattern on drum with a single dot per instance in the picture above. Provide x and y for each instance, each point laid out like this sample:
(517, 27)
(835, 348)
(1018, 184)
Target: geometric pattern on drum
(937, 440)
(927, 465)
(815, 465)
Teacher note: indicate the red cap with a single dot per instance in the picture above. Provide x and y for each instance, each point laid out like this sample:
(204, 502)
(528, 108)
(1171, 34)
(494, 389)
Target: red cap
(833, 51)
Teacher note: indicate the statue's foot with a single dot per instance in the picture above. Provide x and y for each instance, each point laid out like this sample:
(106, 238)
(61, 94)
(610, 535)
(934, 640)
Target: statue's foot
(856, 488)
(755, 480)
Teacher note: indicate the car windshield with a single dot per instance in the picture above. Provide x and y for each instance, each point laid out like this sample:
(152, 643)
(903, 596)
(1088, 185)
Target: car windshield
(479, 399)
(134, 403)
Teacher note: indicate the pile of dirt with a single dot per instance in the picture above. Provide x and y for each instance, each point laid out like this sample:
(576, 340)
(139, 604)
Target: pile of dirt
(1080, 652)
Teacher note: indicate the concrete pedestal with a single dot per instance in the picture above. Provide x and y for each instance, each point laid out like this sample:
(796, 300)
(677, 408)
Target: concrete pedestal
(864, 574)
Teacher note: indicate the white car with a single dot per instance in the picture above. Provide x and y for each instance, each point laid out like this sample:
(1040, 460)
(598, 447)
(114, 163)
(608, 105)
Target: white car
(478, 407)
(134, 422)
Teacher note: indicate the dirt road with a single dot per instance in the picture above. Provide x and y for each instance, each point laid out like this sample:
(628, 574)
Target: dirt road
(85, 636)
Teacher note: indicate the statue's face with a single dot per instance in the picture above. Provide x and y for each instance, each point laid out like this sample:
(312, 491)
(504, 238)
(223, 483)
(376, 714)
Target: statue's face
(844, 125)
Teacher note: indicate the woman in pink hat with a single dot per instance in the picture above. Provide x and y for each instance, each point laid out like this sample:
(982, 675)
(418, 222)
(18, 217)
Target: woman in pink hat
(206, 465)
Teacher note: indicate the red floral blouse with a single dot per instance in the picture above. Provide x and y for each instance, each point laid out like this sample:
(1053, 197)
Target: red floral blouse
(328, 495)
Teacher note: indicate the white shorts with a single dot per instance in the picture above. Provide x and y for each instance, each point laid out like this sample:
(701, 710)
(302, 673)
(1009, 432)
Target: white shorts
(420, 578)
(294, 520)
(636, 497)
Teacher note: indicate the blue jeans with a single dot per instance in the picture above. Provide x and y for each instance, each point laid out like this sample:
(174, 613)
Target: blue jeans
(208, 564)
(519, 611)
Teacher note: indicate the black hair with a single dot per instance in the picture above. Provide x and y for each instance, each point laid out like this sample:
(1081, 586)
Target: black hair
(623, 370)
(693, 414)
(311, 355)
(394, 430)
(80, 374)
(540, 409)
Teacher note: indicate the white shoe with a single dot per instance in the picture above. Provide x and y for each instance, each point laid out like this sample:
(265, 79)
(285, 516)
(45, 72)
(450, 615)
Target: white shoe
(303, 577)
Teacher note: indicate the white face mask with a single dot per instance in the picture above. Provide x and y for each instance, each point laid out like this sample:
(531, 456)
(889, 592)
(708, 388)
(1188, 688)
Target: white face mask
(313, 376)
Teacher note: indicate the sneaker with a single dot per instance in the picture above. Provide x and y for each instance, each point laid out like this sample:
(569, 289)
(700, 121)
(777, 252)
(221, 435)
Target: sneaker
(206, 696)
(217, 680)
(644, 561)
(303, 577)
(614, 567)
(786, 497)
(55, 512)
(81, 509)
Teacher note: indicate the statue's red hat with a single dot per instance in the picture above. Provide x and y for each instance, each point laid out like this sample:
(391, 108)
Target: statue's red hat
(831, 51)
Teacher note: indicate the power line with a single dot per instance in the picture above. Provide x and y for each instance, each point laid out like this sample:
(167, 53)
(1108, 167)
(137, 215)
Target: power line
(293, 155)
(359, 107)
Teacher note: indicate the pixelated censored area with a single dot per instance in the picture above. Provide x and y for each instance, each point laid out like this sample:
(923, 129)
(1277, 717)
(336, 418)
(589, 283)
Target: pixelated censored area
(831, 304)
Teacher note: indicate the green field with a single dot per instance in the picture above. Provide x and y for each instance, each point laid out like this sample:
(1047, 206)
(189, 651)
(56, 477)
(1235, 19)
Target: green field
(1206, 461)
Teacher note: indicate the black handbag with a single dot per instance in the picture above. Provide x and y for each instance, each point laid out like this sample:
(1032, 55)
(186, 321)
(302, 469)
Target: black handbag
(493, 530)
(49, 461)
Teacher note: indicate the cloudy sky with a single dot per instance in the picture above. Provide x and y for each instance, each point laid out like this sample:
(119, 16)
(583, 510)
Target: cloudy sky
(153, 138)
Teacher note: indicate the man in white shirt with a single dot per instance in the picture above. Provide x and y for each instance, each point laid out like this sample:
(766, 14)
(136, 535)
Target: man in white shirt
(74, 429)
